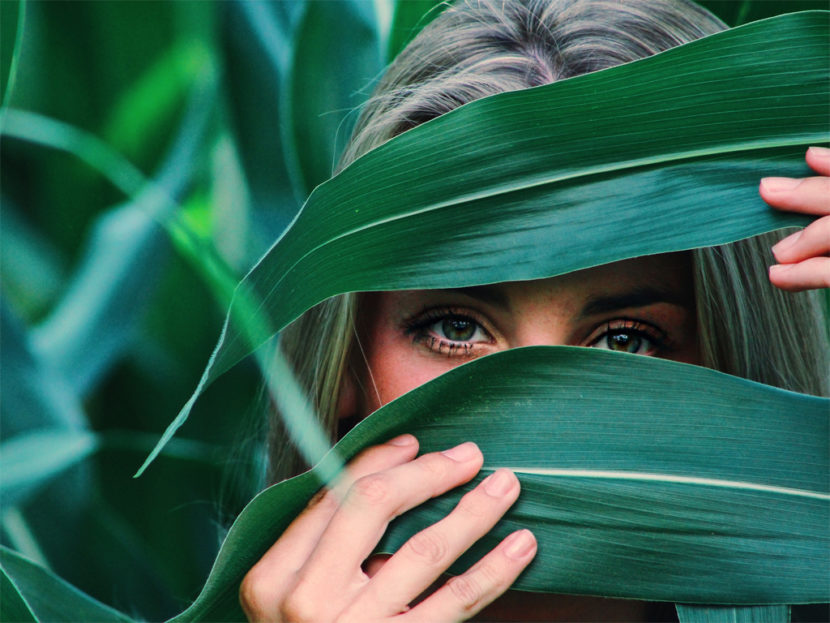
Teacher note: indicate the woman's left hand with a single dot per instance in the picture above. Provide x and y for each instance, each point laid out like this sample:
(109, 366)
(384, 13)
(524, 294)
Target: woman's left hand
(803, 257)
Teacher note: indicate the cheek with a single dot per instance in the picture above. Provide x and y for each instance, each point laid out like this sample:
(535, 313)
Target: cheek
(395, 366)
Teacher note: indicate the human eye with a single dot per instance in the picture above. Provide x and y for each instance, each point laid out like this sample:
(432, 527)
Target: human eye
(448, 331)
(629, 336)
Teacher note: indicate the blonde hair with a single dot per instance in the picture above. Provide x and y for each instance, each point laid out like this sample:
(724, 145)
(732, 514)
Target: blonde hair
(477, 48)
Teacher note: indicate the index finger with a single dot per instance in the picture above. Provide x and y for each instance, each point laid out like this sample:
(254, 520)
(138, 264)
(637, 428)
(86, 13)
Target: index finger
(295, 545)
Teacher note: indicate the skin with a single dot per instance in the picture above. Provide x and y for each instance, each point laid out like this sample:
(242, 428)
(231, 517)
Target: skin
(318, 570)
(803, 261)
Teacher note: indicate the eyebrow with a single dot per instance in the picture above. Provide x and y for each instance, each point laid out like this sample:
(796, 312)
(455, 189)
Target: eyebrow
(492, 295)
(639, 297)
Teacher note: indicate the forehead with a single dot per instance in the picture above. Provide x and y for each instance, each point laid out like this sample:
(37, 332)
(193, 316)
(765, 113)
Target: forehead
(633, 282)
(667, 271)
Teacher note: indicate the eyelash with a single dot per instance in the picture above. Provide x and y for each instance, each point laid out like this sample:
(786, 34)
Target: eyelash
(419, 329)
(636, 328)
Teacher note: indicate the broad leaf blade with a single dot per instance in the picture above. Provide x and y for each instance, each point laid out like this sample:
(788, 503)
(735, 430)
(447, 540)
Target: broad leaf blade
(409, 18)
(331, 74)
(12, 605)
(726, 517)
(256, 42)
(659, 155)
(728, 614)
(48, 597)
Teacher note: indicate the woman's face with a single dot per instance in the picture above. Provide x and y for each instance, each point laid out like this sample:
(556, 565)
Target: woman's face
(642, 305)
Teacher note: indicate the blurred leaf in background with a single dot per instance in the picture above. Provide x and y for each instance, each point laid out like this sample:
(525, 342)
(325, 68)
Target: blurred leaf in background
(113, 134)
(150, 152)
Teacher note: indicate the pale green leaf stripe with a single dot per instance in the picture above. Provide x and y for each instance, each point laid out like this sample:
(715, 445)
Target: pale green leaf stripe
(564, 408)
(658, 155)
(670, 478)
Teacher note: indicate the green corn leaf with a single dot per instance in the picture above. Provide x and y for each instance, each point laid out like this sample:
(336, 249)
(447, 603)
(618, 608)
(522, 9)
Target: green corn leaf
(329, 77)
(31, 267)
(737, 12)
(12, 605)
(98, 316)
(46, 596)
(659, 155)
(30, 459)
(34, 396)
(634, 482)
(409, 18)
(730, 614)
(256, 42)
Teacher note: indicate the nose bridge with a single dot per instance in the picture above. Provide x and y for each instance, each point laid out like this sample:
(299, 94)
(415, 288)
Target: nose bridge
(542, 327)
(544, 311)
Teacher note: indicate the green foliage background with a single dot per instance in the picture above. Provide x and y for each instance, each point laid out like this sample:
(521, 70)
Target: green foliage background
(166, 145)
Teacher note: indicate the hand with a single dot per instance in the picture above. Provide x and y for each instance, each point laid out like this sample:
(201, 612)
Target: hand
(804, 257)
(314, 570)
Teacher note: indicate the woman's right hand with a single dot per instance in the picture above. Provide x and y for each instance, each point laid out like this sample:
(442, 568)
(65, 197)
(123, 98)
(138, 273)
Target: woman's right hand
(314, 572)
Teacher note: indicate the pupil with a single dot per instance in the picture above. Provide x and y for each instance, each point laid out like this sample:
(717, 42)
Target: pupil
(458, 329)
(624, 342)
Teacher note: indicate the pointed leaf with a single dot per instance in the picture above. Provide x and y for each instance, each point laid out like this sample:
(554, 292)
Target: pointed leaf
(634, 483)
(12, 605)
(336, 56)
(48, 597)
(662, 154)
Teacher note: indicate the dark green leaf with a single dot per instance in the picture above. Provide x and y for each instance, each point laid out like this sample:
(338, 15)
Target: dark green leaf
(30, 459)
(729, 614)
(48, 597)
(409, 18)
(659, 155)
(634, 482)
(257, 46)
(737, 12)
(34, 396)
(12, 605)
(98, 316)
(336, 57)
(30, 266)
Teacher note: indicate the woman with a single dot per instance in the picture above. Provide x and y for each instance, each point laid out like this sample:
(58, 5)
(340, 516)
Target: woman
(681, 306)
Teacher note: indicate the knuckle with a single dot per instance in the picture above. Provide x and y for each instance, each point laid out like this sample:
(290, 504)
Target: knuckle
(371, 490)
(300, 606)
(324, 500)
(475, 505)
(466, 591)
(260, 594)
(252, 594)
(428, 546)
(434, 465)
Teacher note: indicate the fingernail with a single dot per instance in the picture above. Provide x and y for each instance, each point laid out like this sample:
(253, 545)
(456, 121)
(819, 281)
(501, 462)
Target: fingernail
(402, 440)
(464, 452)
(786, 243)
(519, 544)
(779, 184)
(821, 152)
(498, 483)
